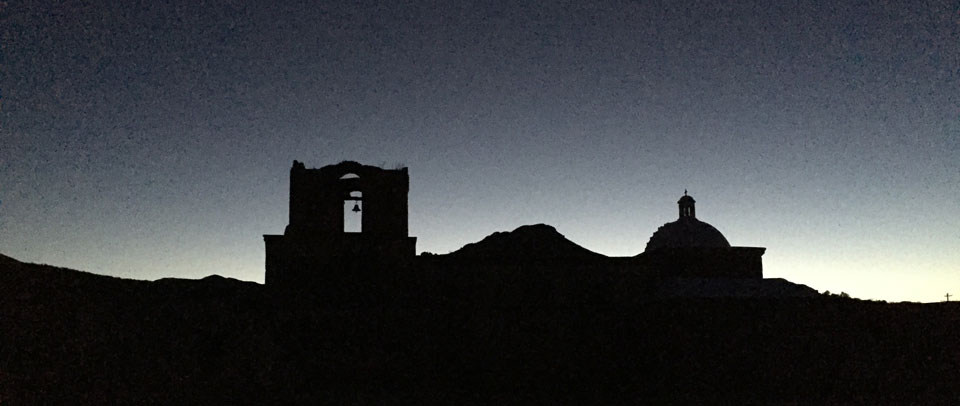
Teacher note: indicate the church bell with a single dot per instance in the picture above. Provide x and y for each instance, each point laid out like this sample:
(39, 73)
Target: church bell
(356, 207)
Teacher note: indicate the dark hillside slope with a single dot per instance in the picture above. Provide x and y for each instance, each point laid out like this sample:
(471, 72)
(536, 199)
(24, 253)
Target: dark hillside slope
(68, 337)
(71, 337)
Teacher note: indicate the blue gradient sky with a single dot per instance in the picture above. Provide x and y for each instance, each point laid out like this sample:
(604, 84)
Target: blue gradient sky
(153, 139)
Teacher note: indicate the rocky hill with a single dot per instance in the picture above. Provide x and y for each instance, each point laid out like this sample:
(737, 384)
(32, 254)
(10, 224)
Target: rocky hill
(531, 242)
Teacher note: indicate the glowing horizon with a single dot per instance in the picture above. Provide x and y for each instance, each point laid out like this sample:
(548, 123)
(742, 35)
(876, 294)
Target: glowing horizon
(148, 140)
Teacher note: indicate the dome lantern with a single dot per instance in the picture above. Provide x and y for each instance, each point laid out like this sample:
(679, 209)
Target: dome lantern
(687, 206)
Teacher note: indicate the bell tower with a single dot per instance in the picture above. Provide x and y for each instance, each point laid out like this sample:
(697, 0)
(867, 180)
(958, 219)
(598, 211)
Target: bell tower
(322, 203)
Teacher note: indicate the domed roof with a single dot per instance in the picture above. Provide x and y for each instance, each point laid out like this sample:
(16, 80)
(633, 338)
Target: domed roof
(687, 231)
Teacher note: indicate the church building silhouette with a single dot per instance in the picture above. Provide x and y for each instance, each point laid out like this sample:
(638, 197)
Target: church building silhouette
(316, 243)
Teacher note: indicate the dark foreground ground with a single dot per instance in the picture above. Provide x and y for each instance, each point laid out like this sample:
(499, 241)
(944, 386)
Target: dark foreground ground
(68, 337)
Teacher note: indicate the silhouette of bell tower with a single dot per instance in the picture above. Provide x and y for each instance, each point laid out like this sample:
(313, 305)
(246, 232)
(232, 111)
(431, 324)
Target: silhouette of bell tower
(316, 239)
(687, 206)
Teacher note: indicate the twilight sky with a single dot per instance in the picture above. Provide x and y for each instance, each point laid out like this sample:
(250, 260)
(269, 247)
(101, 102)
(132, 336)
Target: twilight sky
(149, 139)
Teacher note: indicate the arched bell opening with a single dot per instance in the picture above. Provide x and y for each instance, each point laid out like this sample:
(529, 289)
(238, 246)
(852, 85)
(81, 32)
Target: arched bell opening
(353, 213)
